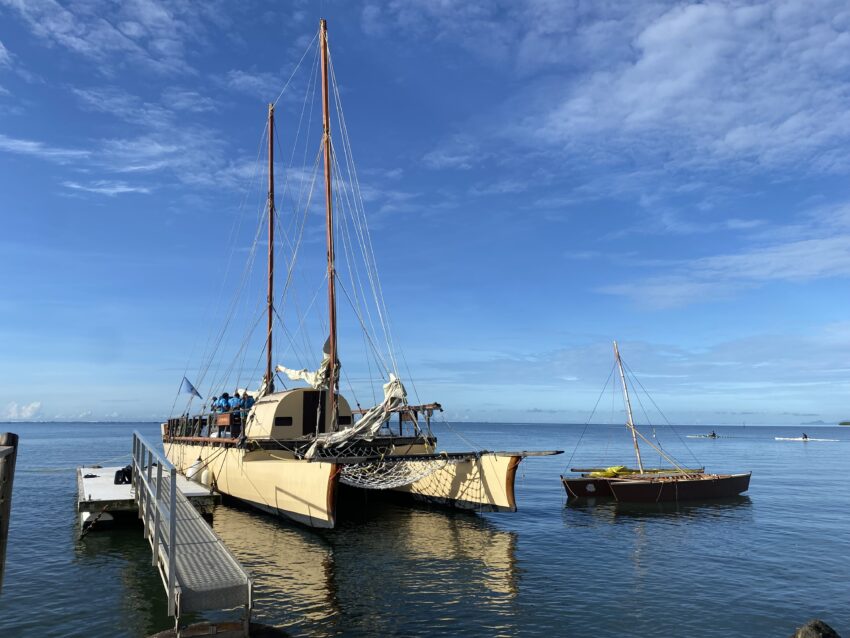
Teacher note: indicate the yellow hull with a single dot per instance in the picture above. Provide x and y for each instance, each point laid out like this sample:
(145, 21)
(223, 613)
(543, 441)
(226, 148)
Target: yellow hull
(306, 491)
(296, 489)
(484, 484)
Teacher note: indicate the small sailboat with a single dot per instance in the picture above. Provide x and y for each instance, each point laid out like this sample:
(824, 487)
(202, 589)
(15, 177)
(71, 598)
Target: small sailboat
(297, 451)
(650, 485)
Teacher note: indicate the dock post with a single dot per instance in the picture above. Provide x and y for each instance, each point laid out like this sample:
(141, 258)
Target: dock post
(8, 456)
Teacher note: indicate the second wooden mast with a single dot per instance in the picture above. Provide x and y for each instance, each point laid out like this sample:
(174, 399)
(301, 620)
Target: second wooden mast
(269, 384)
(326, 119)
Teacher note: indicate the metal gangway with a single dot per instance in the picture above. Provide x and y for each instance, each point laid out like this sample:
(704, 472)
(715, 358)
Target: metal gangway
(198, 571)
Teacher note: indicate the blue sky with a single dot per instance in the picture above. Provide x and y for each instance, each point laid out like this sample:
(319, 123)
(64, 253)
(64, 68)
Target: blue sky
(540, 178)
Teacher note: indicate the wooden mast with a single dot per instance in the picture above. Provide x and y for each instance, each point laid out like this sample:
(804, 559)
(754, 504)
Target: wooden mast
(332, 371)
(631, 422)
(269, 384)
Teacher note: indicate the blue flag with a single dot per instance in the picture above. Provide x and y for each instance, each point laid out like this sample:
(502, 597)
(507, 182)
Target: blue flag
(188, 388)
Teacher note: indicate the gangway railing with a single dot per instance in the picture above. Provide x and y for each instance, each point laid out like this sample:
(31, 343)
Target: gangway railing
(198, 571)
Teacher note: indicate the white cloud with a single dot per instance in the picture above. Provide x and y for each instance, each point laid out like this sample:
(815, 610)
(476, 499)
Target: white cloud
(817, 248)
(23, 412)
(5, 56)
(106, 187)
(152, 33)
(187, 100)
(459, 152)
(715, 82)
(124, 105)
(258, 84)
(42, 150)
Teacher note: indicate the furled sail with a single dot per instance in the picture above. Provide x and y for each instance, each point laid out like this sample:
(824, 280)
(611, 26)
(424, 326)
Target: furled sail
(316, 380)
(369, 424)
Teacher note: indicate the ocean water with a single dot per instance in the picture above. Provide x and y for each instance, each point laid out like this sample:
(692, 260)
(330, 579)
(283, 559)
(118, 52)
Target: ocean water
(759, 565)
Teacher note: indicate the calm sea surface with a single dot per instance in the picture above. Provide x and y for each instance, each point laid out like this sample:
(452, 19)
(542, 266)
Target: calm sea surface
(760, 565)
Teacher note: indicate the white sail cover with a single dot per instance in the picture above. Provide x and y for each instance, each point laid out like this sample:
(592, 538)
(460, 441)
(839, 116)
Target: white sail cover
(316, 380)
(369, 424)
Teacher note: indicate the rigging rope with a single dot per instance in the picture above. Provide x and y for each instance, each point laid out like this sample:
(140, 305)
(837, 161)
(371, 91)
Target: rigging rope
(306, 51)
(664, 416)
(590, 418)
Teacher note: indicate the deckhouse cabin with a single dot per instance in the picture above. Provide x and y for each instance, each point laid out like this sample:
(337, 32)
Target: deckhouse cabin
(293, 414)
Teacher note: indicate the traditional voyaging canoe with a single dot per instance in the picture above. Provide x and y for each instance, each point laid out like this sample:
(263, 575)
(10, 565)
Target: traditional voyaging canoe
(655, 485)
(292, 451)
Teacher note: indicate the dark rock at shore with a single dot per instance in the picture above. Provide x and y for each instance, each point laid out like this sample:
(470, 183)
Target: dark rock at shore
(815, 629)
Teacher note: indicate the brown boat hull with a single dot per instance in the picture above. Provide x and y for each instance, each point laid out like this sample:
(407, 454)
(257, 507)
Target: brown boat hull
(587, 487)
(659, 489)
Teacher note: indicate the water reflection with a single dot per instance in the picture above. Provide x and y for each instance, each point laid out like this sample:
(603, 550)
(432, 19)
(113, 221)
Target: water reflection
(121, 558)
(739, 507)
(382, 574)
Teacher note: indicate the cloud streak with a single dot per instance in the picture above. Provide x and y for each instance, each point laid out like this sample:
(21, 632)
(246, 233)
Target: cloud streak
(106, 187)
(818, 249)
(5, 56)
(40, 149)
(147, 32)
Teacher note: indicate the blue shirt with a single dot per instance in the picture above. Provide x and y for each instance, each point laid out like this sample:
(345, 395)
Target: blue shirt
(233, 404)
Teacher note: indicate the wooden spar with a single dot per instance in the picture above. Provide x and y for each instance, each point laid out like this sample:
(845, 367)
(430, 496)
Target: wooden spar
(631, 422)
(332, 354)
(269, 384)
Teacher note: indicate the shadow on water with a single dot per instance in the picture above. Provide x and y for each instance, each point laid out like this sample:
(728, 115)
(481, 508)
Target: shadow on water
(369, 574)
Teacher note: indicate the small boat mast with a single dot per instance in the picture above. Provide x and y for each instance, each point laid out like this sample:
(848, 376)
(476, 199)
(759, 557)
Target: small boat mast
(631, 422)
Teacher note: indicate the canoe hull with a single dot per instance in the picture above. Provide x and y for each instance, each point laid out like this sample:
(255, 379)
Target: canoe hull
(307, 491)
(670, 489)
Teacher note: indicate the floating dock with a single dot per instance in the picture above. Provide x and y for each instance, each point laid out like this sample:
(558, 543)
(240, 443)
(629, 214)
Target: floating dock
(101, 500)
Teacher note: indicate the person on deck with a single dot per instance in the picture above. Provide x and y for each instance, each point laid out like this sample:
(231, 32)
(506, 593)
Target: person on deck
(224, 402)
(246, 403)
(214, 404)
(233, 402)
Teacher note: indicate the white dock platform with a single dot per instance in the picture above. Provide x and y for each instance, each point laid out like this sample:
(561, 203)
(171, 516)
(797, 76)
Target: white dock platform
(98, 495)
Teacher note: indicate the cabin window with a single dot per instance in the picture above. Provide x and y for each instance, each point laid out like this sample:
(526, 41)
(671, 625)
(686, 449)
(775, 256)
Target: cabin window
(344, 420)
(282, 420)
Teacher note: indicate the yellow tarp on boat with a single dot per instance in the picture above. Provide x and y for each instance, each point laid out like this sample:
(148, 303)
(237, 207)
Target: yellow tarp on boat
(612, 472)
